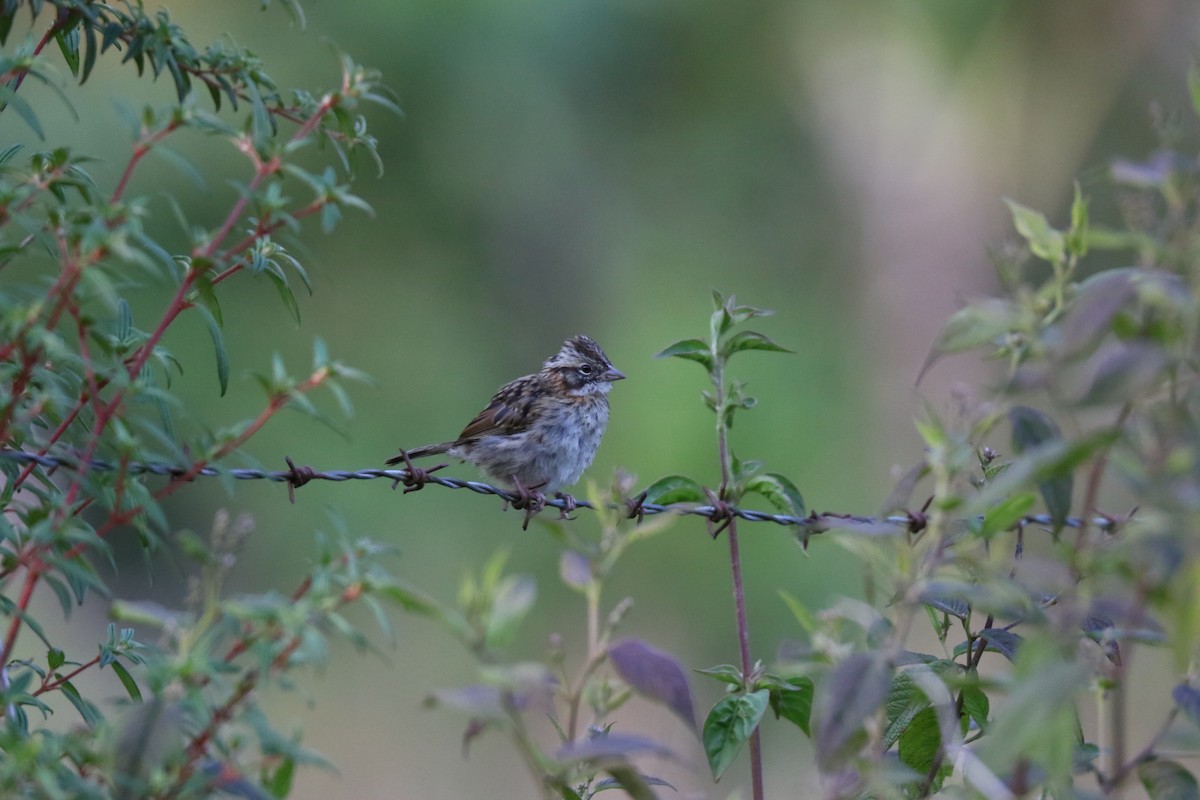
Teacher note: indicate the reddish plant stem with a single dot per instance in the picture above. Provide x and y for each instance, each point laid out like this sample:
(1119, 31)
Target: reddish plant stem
(49, 685)
(743, 629)
(139, 152)
(63, 289)
(14, 627)
(735, 562)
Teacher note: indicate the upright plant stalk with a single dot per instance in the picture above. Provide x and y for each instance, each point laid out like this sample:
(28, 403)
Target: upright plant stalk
(735, 563)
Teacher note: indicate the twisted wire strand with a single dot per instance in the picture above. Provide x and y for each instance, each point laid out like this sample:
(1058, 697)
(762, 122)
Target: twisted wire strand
(297, 476)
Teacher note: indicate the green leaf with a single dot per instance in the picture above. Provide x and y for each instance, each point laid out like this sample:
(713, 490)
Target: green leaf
(750, 340)
(792, 699)
(1031, 429)
(730, 723)
(1077, 236)
(286, 295)
(1167, 780)
(127, 680)
(68, 43)
(691, 349)
(725, 673)
(976, 706)
(631, 781)
(1006, 514)
(1044, 241)
(10, 99)
(1193, 82)
(674, 489)
(214, 330)
(920, 741)
(91, 715)
(279, 782)
(511, 603)
(779, 492)
(55, 658)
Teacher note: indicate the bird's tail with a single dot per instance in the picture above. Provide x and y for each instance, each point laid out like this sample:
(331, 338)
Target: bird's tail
(419, 452)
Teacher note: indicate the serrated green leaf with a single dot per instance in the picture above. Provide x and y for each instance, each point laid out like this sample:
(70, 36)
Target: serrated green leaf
(779, 492)
(674, 489)
(730, 723)
(920, 741)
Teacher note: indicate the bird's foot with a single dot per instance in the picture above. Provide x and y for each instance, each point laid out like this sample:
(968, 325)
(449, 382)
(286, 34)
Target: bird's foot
(528, 499)
(416, 477)
(569, 505)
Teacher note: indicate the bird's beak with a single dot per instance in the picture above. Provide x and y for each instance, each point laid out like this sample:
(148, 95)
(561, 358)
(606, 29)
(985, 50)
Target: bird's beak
(613, 374)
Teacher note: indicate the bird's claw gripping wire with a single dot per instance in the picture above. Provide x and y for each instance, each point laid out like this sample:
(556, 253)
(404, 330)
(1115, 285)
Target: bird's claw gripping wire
(527, 499)
(416, 477)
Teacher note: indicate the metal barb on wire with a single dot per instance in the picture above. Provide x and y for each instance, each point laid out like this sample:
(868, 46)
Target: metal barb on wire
(635, 508)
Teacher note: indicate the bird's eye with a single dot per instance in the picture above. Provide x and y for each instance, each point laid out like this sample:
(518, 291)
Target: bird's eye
(585, 369)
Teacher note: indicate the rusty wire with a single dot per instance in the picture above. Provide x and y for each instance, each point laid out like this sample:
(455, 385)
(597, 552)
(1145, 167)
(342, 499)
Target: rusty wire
(633, 508)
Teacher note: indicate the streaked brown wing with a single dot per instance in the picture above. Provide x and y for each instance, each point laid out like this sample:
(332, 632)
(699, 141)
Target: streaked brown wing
(509, 411)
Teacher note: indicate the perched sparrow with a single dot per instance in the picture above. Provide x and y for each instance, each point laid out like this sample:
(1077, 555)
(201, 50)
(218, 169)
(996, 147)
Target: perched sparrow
(541, 431)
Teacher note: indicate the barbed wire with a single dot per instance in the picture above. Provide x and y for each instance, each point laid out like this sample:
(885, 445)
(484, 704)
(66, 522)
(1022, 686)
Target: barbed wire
(634, 508)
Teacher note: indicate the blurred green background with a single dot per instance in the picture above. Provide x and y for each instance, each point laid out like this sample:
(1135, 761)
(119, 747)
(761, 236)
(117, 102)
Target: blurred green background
(598, 167)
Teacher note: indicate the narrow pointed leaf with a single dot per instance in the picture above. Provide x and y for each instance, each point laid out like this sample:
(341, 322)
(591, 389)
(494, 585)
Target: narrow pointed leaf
(691, 349)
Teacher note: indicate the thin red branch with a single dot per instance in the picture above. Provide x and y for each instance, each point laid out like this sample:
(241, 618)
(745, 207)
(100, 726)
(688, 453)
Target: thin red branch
(50, 685)
(139, 152)
(14, 627)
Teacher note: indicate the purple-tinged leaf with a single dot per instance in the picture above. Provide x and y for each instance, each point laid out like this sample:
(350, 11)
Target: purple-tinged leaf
(612, 747)
(1121, 371)
(998, 640)
(654, 674)
(1091, 313)
(1188, 698)
(852, 692)
(972, 326)
(575, 570)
